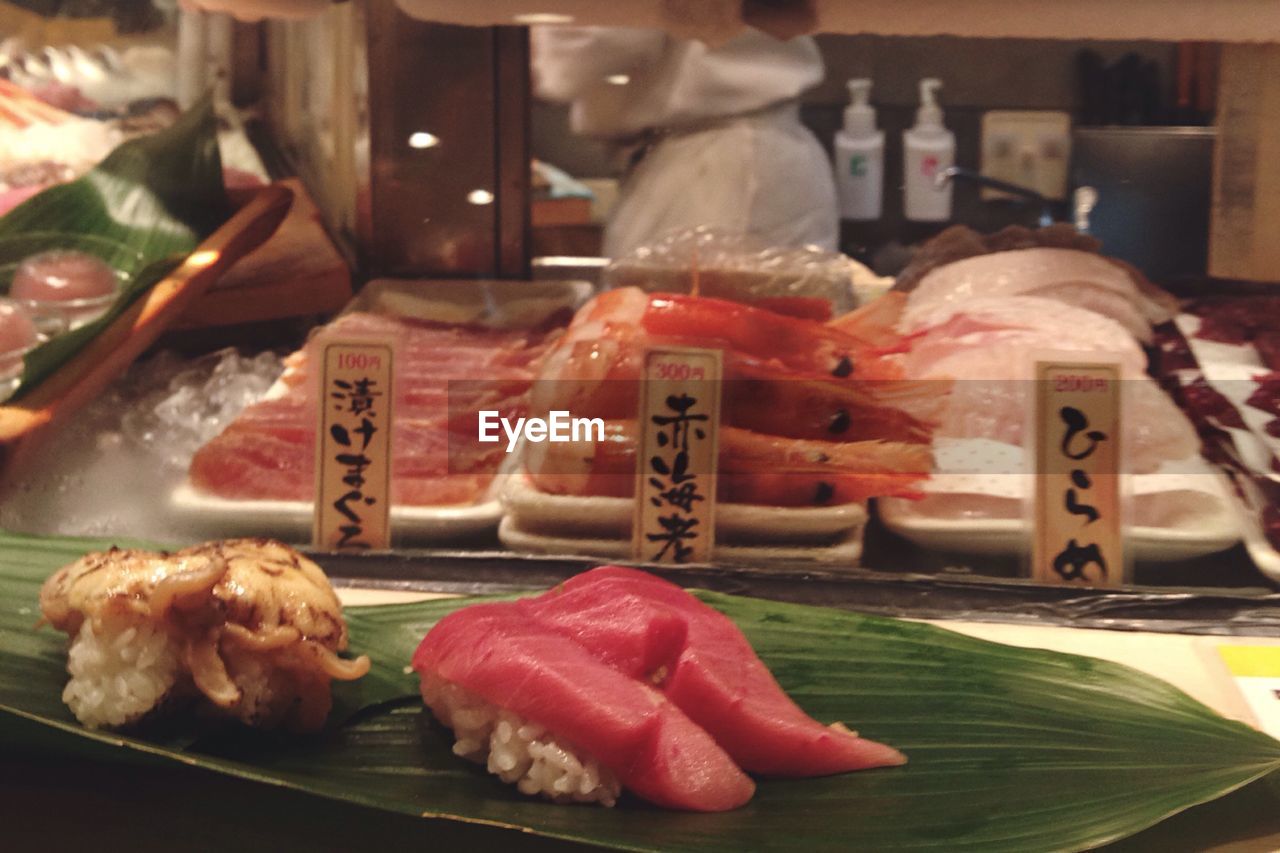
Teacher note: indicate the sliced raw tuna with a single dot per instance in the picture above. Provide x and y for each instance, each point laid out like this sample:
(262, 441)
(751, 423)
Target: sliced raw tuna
(498, 653)
(446, 374)
(697, 657)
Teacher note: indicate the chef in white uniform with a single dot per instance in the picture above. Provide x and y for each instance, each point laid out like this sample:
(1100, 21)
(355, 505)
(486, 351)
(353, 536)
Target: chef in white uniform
(713, 134)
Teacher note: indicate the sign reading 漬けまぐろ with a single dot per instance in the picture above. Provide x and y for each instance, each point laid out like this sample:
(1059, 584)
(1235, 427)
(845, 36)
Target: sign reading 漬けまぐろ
(353, 447)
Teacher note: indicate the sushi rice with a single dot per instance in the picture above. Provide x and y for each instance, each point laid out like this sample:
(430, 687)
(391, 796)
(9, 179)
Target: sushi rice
(122, 673)
(516, 750)
(118, 675)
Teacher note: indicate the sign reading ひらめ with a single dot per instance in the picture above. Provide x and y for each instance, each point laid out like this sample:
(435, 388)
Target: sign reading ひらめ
(1077, 536)
(353, 447)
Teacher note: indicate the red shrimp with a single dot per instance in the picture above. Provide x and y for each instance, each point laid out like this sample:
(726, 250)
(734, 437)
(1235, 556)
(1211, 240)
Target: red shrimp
(754, 468)
(770, 385)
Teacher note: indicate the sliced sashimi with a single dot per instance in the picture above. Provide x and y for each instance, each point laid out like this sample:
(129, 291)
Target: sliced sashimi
(445, 376)
(697, 657)
(592, 713)
(988, 348)
(1082, 279)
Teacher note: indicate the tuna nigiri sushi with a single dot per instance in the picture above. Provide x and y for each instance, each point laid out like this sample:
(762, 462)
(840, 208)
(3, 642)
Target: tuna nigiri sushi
(710, 672)
(618, 679)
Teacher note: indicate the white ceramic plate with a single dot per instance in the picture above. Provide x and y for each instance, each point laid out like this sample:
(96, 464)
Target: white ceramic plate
(291, 520)
(1002, 483)
(739, 524)
(601, 527)
(844, 553)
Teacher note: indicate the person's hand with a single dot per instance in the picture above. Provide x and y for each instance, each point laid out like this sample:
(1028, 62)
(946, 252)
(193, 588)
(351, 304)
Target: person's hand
(256, 10)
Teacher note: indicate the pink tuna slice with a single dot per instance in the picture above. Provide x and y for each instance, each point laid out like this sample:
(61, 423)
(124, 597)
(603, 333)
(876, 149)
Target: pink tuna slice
(632, 621)
(530, 669)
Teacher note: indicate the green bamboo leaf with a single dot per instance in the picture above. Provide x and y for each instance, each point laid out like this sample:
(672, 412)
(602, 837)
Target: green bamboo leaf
(1010, 749)
(150, 203)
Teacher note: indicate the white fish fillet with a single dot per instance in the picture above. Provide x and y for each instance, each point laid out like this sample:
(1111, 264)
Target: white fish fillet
(990, 345)
(1077, 278)
(996, 337)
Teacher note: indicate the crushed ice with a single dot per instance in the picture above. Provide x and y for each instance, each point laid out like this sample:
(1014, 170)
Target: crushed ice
(111, 469)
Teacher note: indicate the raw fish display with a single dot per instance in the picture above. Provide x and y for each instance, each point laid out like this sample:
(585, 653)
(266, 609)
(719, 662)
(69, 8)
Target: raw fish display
(445, 375)
(617, 679)
(1077, 278)
(988, 346)
(794, 391)
(248, 627)
(960, 242)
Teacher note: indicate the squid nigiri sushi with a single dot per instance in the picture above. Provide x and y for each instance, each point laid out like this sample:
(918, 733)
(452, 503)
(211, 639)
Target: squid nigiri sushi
(617, 679)
(249, 627)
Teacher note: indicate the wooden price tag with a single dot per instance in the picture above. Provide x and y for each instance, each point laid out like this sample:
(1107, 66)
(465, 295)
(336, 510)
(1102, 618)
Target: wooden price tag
(1077, 536)
(353, 450)
(677, 447)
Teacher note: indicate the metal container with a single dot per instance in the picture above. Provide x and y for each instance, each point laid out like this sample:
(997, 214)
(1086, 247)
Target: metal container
(1154, 187)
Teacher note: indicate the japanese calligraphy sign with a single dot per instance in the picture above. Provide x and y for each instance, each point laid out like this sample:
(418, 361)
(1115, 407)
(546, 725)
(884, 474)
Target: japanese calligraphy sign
(676, 458)
(1077, 536)
(353, 462)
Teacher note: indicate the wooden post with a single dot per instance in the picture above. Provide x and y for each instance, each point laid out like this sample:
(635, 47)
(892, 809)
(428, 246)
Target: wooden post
(1244, 239)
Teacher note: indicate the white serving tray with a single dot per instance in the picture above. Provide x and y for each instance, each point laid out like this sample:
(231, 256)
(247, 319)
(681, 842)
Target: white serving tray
(845, 553)
(292, 520)
(1214, 532)
(601, 527)
(610, 518)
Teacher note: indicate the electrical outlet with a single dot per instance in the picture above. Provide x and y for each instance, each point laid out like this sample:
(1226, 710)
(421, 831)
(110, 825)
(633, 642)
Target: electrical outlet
(1031, 148)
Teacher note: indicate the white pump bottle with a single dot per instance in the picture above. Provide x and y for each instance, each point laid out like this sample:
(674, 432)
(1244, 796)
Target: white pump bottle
(859, 157)
(928, 149)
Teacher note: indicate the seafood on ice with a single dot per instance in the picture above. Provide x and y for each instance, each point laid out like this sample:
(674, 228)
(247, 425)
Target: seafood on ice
(793, 389)
(446, 375)
(617, 680)
(248, 627)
